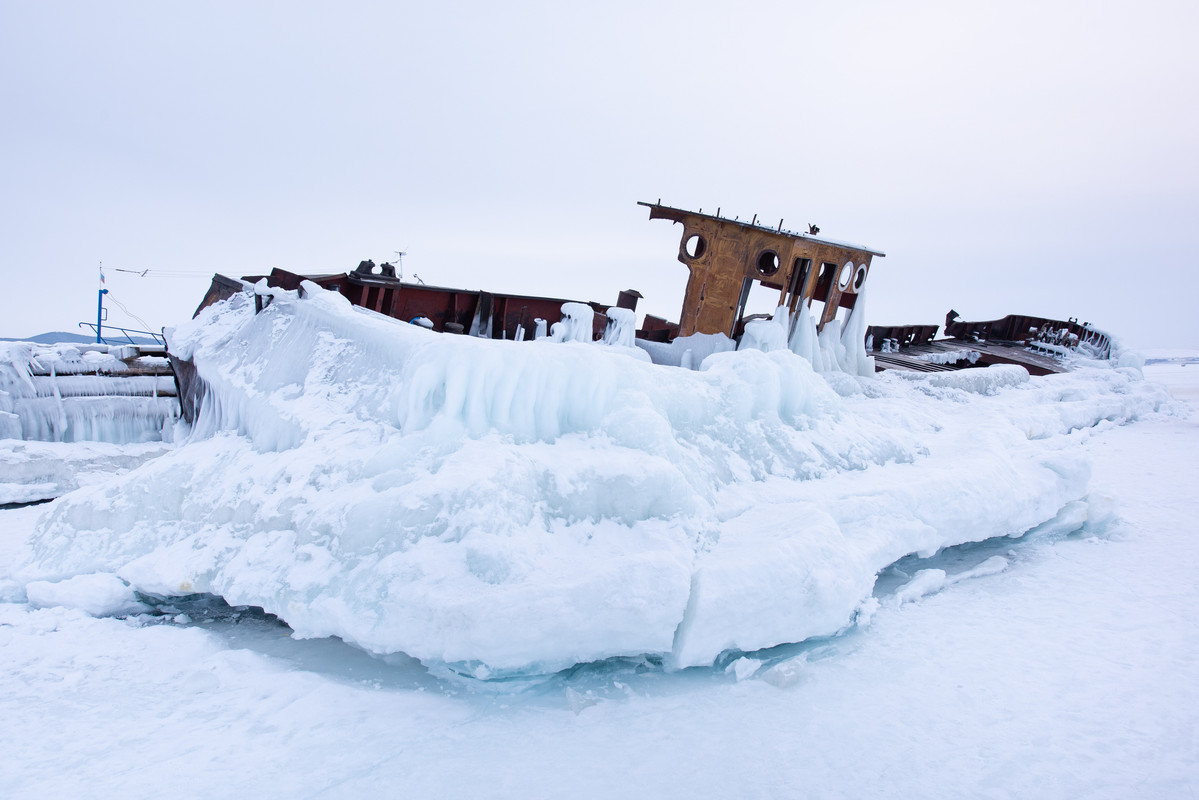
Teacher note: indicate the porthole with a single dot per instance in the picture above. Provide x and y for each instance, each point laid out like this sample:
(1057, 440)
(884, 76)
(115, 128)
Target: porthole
(859, 277)
(768, 263)
(695, 246)
(846, 276)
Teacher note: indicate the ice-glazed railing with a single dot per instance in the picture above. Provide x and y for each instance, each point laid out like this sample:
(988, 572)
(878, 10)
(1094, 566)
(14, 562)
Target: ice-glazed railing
(127, 333)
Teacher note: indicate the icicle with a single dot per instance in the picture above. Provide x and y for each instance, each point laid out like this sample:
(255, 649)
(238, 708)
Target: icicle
(831, 348)
(857, 360)
(804, 342)
(59, 431)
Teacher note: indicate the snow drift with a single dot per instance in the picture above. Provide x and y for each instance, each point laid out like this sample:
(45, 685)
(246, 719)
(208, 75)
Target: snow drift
(499, 506)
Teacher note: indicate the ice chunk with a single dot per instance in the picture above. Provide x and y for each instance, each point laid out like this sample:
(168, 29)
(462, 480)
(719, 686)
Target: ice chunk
(925, 582)
(766, 334)
(786, 673)
(744, 667)
(100, 594)
(687, 351)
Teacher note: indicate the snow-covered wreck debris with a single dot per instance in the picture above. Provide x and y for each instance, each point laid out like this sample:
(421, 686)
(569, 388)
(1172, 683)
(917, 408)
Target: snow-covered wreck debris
(1040, 345)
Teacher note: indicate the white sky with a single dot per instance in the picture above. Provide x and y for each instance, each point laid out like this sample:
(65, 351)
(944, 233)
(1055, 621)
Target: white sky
(1016, 157)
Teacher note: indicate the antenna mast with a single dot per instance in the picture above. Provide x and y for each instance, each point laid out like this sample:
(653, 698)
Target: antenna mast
(400, 262)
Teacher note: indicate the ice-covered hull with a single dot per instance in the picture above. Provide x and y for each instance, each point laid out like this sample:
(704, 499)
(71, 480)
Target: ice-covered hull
(505, 507)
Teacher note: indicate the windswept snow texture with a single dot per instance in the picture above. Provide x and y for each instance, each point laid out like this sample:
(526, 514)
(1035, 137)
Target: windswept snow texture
(505, 507)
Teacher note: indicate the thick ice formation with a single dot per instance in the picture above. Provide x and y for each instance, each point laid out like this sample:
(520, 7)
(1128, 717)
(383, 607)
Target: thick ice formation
(766, 334)
(622, 327)
(687, 351)
(502, 506)
(853, 342)
(80, 395)
(950, 356)
(829, 351)
(575, 325)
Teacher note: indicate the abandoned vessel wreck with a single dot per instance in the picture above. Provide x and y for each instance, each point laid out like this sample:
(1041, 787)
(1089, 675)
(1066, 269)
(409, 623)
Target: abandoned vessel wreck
(726, 258)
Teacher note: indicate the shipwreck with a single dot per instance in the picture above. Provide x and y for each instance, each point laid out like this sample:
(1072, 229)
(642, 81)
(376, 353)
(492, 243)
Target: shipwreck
(725, 259)
(818, 280)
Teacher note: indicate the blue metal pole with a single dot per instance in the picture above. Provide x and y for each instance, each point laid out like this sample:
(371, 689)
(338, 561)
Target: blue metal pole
(100, 306)
(100, 314)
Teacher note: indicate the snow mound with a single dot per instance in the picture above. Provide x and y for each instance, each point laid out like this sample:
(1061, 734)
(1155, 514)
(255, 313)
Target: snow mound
(505, 507)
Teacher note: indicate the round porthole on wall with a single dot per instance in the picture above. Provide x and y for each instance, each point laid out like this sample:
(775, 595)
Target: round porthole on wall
(768, 263)
(846, 276)
(859, 277)
(695, 246)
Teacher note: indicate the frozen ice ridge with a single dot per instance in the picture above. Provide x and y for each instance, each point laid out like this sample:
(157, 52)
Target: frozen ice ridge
(523, 506)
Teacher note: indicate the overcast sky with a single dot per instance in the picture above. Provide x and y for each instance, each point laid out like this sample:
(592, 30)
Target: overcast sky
(1016, 157)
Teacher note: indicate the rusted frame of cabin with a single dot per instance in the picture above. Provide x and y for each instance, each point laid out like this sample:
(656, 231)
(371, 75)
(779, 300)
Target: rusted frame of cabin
(729, 253)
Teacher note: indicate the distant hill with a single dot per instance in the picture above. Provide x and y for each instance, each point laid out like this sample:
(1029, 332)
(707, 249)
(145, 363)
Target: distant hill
(62, 337)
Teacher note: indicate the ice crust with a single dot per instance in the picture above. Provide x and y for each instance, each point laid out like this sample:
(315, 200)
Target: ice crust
(506, 507)
(34, 471)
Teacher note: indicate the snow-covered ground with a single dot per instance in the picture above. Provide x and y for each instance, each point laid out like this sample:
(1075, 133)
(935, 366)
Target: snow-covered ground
(1060, 664)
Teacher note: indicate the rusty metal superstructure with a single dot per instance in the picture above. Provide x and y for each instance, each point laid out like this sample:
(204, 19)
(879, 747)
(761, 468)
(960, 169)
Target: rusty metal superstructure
(726, 257)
